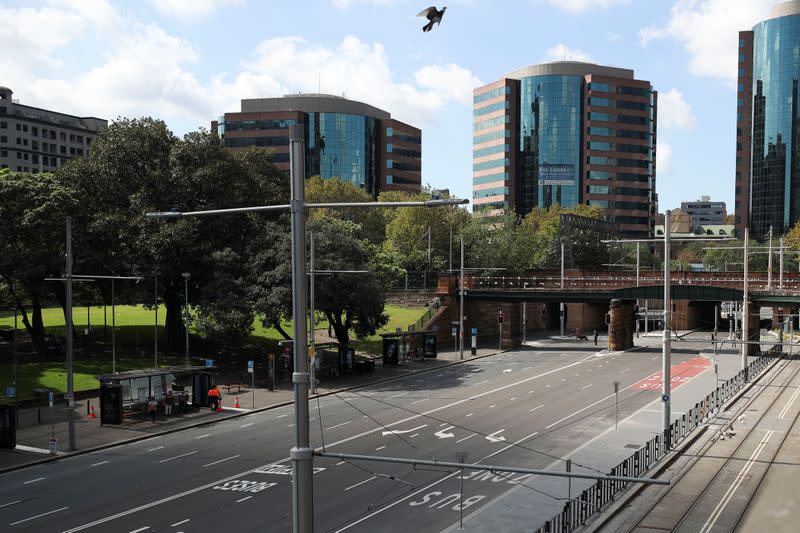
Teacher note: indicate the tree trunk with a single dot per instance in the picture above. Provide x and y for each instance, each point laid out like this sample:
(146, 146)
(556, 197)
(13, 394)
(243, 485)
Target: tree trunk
(279, 329)
(173, 325)
(339, 328)
(37, 327)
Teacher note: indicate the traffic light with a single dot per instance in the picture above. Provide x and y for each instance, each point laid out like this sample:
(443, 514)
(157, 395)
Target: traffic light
(544, 310)
(500, 317)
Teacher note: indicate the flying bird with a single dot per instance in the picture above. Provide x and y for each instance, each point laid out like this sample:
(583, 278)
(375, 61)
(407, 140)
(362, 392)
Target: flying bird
(433, 15)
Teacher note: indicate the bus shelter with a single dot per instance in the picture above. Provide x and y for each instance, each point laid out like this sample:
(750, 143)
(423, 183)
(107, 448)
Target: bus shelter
(408, 344)
(129, 392)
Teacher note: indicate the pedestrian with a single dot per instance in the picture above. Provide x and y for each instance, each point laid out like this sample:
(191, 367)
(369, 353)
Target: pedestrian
(152, 405)
(169, 401)
(214, 398)
(595, 337)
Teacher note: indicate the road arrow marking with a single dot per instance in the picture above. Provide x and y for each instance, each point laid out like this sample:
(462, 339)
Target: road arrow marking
(402, 431)
(494, 438)
(507, 371)
(443, 435)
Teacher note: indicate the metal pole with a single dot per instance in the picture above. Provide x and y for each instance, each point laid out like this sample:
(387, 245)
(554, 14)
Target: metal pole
(637, 264)
(155, 328)
(461, 304)
(646, 315)
(70, 383)
(253, 384)
(666, 363)
(745, 333)
(769, 261)
(301, 454)
(561, 304)
(524, 320)
(451, 249)
(14, 342)
(311, 326)
(113, 331)
(780, 262)
(569, 479)
(716, 321)
(186, 276)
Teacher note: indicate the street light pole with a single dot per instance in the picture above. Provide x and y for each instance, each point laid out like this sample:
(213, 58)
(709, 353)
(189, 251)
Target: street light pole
(311, 325)
(461, 304)
(155, 327)
(745, 288)
(301, 454)
(780, 266)
(113, 331)
(769, 261)
(561, 304)
(70, 381)
(666, 342)
(186, 276)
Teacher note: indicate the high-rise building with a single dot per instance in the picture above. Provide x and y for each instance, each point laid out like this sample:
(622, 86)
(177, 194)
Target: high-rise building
(349, 140)
(767, 192)
(37, 140)
(704, 212)
(567, 133)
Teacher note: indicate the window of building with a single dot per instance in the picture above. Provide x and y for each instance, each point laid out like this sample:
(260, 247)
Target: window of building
(25, 156)
(72, 137)
(389, 132)
(19, 126)
(53, 135)
(599, 145)
(741, 58)
(741, 43)
(63, 150)
(607, 132)
(35, 158)
(19, 155)
(79, 139)
(389, 147)
(598, 189)
(3, 139)
(739, 116)
(34, 131)
(601, 102)
(80, 152)
(3, 153)
(594, 86)
(24, 142)
(44, 133)
(741, 72)
(34, 145)
(3, 110)
(19, 141)
(72, 150)
(389, 180)
(739, 102)
(599, 203)
(3, 125)
(53, 162)
(741, 87)
(62, 136)
(599, 175)
(25, 128)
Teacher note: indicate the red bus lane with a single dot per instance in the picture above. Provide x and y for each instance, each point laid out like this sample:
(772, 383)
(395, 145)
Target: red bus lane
(680, 374)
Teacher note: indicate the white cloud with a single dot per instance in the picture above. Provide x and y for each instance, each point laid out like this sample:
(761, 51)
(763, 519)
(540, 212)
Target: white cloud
(663, 158)
(143, 70)
(561, 52)
(582, 6)
(674, 110)
(191, 9)
(344, 4)
(708, 30)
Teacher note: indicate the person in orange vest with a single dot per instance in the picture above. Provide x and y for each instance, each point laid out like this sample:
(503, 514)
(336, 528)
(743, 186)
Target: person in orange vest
(214, 397)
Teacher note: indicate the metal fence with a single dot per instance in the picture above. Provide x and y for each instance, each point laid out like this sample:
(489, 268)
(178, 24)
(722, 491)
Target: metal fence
(592, 500)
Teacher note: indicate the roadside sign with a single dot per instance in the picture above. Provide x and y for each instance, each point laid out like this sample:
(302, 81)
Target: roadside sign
(69, 396)
(53, 446)
(454, 332)
(209, 363)
(474, 331)
(665, 398)
(250, 367)
(51, 398)
(616, 387)
(11, 392)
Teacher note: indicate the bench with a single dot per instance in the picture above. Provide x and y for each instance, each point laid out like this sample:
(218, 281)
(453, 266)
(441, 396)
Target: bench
(239, 387)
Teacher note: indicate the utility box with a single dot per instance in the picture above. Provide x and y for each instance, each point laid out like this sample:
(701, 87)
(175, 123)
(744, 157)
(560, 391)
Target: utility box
(8, 426)
(391, 349)
(429, 345)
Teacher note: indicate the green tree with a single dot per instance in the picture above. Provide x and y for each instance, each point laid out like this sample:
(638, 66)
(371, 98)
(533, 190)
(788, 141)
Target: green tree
(33, 210)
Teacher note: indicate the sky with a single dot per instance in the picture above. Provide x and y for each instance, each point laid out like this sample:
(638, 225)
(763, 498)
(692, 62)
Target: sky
(189, 61)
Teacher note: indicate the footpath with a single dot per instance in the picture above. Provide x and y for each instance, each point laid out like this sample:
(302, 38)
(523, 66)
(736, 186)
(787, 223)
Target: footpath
(37, 425)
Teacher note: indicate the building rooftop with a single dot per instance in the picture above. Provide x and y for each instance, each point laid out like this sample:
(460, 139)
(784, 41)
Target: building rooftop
(313, 103)
(570, 68)
(785, 9)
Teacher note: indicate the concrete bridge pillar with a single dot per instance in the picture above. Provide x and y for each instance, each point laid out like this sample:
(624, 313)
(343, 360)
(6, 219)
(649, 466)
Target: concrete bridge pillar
(621, 325)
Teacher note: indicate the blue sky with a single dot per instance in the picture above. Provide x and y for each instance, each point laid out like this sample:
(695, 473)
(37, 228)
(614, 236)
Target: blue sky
(188, 61)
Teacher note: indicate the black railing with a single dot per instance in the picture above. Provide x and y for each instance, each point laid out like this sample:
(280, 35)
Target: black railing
(578, 510)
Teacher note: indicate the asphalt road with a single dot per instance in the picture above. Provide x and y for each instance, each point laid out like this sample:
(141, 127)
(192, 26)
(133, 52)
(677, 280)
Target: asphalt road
(526, 408)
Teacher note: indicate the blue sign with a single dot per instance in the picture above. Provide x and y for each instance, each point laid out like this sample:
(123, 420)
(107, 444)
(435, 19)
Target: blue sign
(250, 365)
(11, 392)
(665, 398)
(209, 363)
(454, 332)
(556, 174)
(51, 397)
(474, 331)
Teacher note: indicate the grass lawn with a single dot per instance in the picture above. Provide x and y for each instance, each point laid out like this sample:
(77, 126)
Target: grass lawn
(135, 329)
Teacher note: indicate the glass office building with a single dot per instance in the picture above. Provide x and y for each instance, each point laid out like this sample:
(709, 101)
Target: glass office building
(567, 133)
(768, 125)
(345, 139)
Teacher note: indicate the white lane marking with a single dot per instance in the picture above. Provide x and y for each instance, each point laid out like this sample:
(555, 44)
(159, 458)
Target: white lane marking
(656, 357)
(339, 425)
(587, 386)
(507, 370)
(418, 401)
(526, 368)
(282, 416)
(178, 457)
(33, 480)
(469, 415)
(740, 477)
(512, 399)
(291, 425)
(482, 382)
(156, 448)
(24, 448)
(443, 433)
(340, 463)
(246, 425)
(10, 503)
(625, 370)
(547, 386)
(360, 483)
(145, 528)
(100, 463)
(398, 395)
(176, 524)
(336, 443)
(203, 436)
(379, 448)
(789, 403)
(401, 431)
(423, 489)
(414, 435)
(492, 406)
(37, 516)
(493, 437)
(221, 460)
(243, 499)
(535, 408)
(530, 392)
(465, 438)
(563, 379)
(442, 424)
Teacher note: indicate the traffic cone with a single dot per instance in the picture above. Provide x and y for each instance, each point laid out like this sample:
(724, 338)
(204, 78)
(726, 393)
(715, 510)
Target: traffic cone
(236, 403)
(92, 414)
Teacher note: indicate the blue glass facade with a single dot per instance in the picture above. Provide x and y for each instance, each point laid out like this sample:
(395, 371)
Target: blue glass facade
(343, 146)
(550, 141)
(775, 165)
